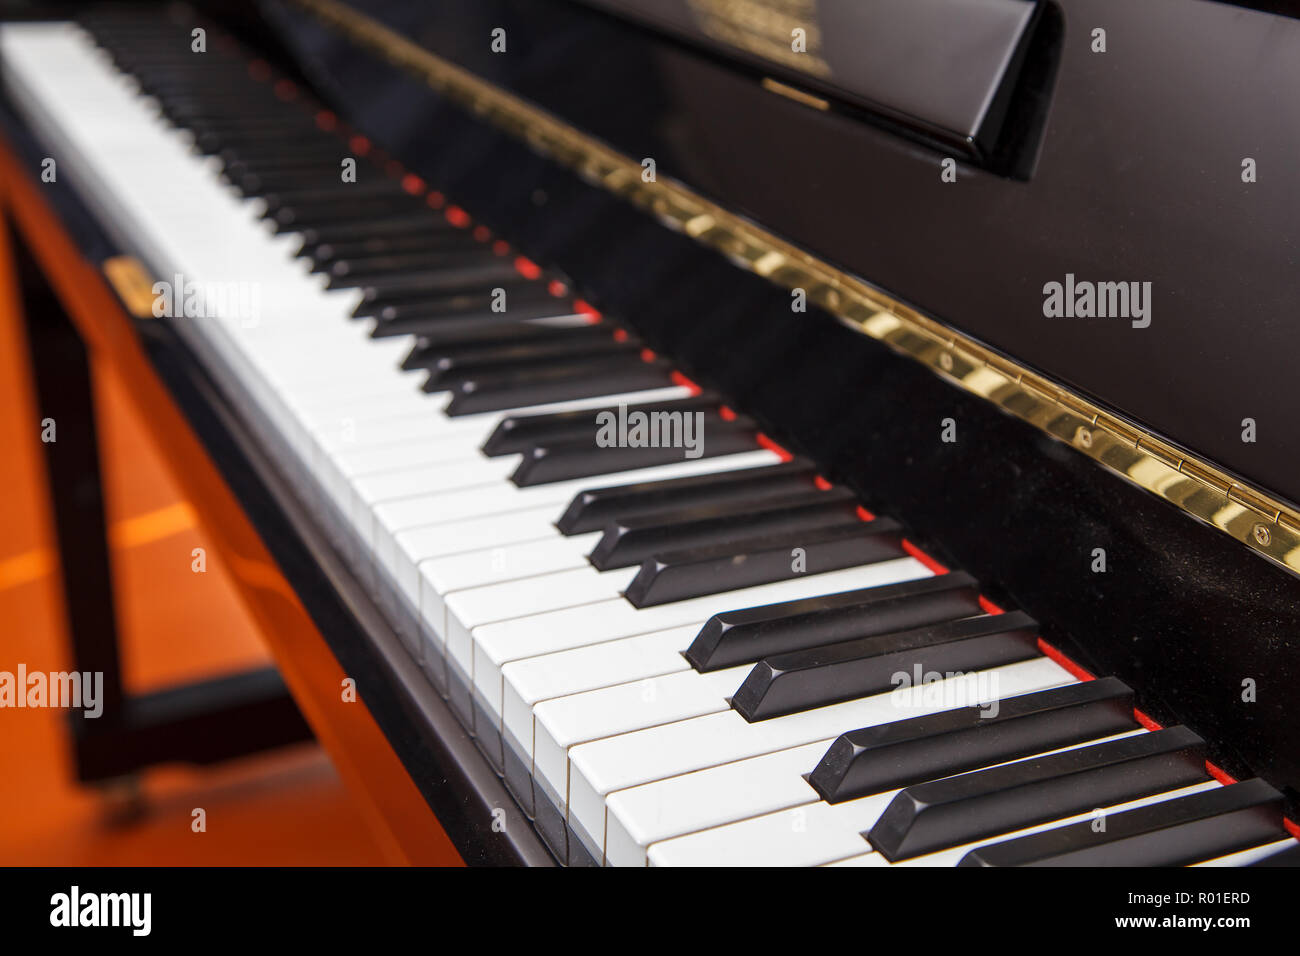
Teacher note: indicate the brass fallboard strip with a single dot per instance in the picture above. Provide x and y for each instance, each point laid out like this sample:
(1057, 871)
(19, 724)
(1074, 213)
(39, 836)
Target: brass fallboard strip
(1265, 525)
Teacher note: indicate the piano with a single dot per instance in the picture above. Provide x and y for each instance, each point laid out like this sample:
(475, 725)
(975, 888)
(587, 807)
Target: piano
(712, 433)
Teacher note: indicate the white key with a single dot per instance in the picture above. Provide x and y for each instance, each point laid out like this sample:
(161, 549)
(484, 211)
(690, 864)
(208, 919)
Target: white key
(601, 767)
(640, 816)
(496, 565)
(371, 490)
(495, 645)
(714, 797)
(807, 835)
(394, 518)
(501, 566)
(564, 722)
(490, 532)
(1247, 857)
(563, 673)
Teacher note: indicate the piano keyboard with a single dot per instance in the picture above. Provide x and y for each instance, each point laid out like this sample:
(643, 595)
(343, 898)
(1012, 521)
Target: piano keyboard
(672, 659)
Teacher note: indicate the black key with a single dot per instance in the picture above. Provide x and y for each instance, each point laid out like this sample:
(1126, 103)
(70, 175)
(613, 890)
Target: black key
(378, 275)
(433, 345)
(455, 335)
(630, 540)
(892, 755)
(288, 125)
(230, 143)
(291, 169)
(210, 141)
(971, 806)
(186, 111)
(356, 269)
(294, 126)
(515, 434)
(341, 210)
(275, 131)
(564, 459)
(459, 365)
(467, 326)
(417, 220)
(517, 374)
(1175, 832)
(748, 635)
(256, 180)
(561, 383)
(329, 159)
(429, 293)
(715, 569)
(220, 89)
(436, 318)
(337, 191)
(272, 138)
(326, 253)
(482, 278)
(543, 342)
(519, 292)
(848, 670)
(592, 509)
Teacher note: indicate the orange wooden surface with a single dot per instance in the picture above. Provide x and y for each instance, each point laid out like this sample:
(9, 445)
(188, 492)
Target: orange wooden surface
(164, 499)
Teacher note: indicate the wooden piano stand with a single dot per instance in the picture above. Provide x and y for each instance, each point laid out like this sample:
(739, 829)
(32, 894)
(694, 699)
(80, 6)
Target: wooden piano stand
(69, 316)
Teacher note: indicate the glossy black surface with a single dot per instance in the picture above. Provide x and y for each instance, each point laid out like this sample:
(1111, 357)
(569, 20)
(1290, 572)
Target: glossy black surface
(1139, 178)
(945, 67)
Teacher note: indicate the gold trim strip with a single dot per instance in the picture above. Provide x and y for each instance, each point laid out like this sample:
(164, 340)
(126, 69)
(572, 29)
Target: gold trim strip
(1265, 525)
